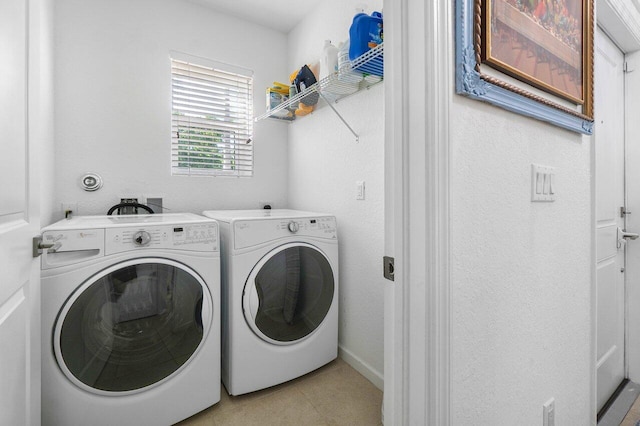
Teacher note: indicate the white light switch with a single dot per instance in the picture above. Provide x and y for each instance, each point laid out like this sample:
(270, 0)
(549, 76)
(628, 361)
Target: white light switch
(360, 190)
(542, 183)
(539, 177)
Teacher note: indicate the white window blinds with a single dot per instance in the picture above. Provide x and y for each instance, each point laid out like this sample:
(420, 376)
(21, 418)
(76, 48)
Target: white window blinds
(211, 118)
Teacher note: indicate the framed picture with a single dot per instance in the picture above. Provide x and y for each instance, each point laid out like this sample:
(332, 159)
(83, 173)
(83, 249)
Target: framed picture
(544, 44)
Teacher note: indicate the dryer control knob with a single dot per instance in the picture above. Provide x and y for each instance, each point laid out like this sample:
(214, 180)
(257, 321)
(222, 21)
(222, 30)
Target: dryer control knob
(141, 238)
(294, 227)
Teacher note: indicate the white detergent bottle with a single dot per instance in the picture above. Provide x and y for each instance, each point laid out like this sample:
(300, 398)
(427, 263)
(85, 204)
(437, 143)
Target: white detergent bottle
(328, 60)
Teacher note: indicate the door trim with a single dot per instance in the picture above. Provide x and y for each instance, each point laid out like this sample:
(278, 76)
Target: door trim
(622, 27)
(621, 22)
(417, 100)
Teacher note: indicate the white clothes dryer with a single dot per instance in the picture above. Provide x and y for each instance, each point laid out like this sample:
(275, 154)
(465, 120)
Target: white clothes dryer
(130, 319)
(279, 295)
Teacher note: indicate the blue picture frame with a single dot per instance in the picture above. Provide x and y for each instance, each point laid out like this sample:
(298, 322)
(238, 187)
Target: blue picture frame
(473, 84)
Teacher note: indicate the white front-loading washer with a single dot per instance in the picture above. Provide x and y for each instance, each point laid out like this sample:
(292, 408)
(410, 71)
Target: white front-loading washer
(130, 319)
(279, 295)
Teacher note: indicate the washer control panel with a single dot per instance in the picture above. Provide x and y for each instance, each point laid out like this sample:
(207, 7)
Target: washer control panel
(249, 233)
(191, 237)
(293, 226)
(141, 238)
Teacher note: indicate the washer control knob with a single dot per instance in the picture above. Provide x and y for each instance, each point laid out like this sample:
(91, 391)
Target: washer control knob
(141, 238)
(294, 227)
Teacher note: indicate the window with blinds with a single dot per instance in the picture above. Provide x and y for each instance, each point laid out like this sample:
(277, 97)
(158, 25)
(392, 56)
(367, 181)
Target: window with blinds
(211, 118)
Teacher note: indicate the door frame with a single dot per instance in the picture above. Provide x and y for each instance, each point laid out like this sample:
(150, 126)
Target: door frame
(418, 92)
(632, 255)
(620, 21)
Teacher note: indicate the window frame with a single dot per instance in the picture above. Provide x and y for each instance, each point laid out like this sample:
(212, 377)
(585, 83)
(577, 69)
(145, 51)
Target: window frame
(234, 148)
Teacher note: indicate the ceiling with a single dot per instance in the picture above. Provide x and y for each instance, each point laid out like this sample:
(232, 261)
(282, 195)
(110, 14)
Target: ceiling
(280, 15)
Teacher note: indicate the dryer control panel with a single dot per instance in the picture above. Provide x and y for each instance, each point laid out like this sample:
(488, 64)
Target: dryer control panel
(249, 233)
(190, 237)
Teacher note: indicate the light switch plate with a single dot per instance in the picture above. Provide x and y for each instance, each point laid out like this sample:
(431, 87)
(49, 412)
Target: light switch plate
(543, 183)
(360, 190)
(549, 413)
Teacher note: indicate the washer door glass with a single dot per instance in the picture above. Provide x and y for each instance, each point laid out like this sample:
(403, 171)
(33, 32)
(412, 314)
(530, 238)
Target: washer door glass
(132, 325)
(289, 293)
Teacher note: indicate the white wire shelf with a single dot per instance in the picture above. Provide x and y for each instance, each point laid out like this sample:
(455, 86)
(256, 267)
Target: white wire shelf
(363, 72)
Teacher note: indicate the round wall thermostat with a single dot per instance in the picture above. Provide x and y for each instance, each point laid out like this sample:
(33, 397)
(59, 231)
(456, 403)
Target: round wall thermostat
(91, 182)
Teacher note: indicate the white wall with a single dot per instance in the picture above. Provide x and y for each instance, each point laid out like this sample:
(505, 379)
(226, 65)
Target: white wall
(113, 102)
(520, 271)
(324, 164)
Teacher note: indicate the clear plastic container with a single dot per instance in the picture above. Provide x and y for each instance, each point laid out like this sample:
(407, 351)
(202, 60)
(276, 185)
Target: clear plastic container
(328, 60)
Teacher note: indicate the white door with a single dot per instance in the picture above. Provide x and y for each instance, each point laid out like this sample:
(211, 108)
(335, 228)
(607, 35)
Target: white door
(609, 170)
(19, 272)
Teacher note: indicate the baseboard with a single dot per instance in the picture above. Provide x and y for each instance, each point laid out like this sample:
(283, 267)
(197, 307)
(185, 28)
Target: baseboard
(361, 367)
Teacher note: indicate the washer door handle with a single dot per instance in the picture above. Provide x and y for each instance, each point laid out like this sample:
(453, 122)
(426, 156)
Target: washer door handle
(39, 246)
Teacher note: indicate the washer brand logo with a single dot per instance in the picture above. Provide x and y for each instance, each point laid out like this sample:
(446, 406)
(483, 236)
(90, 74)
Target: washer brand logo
(243, 226)
(87, 235)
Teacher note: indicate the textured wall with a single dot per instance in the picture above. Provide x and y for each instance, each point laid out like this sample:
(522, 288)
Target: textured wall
(521, 271)
(325, 163)
(113, 102)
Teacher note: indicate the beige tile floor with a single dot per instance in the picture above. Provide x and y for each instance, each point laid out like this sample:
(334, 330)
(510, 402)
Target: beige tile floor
(633, 415)
(335, 394)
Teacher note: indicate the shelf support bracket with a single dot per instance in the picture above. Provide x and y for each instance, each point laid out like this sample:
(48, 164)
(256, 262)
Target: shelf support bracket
(339, 116)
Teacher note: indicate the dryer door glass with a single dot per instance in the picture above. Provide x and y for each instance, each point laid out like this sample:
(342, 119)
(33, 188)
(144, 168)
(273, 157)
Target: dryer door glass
(131, 326)
(295, 290)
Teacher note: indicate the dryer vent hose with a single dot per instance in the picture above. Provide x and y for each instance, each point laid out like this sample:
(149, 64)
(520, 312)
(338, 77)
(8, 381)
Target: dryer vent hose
(136, 206)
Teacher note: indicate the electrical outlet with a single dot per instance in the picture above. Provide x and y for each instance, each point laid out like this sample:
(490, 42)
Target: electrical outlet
(69, 209)
(549, 413)
(360, 190)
